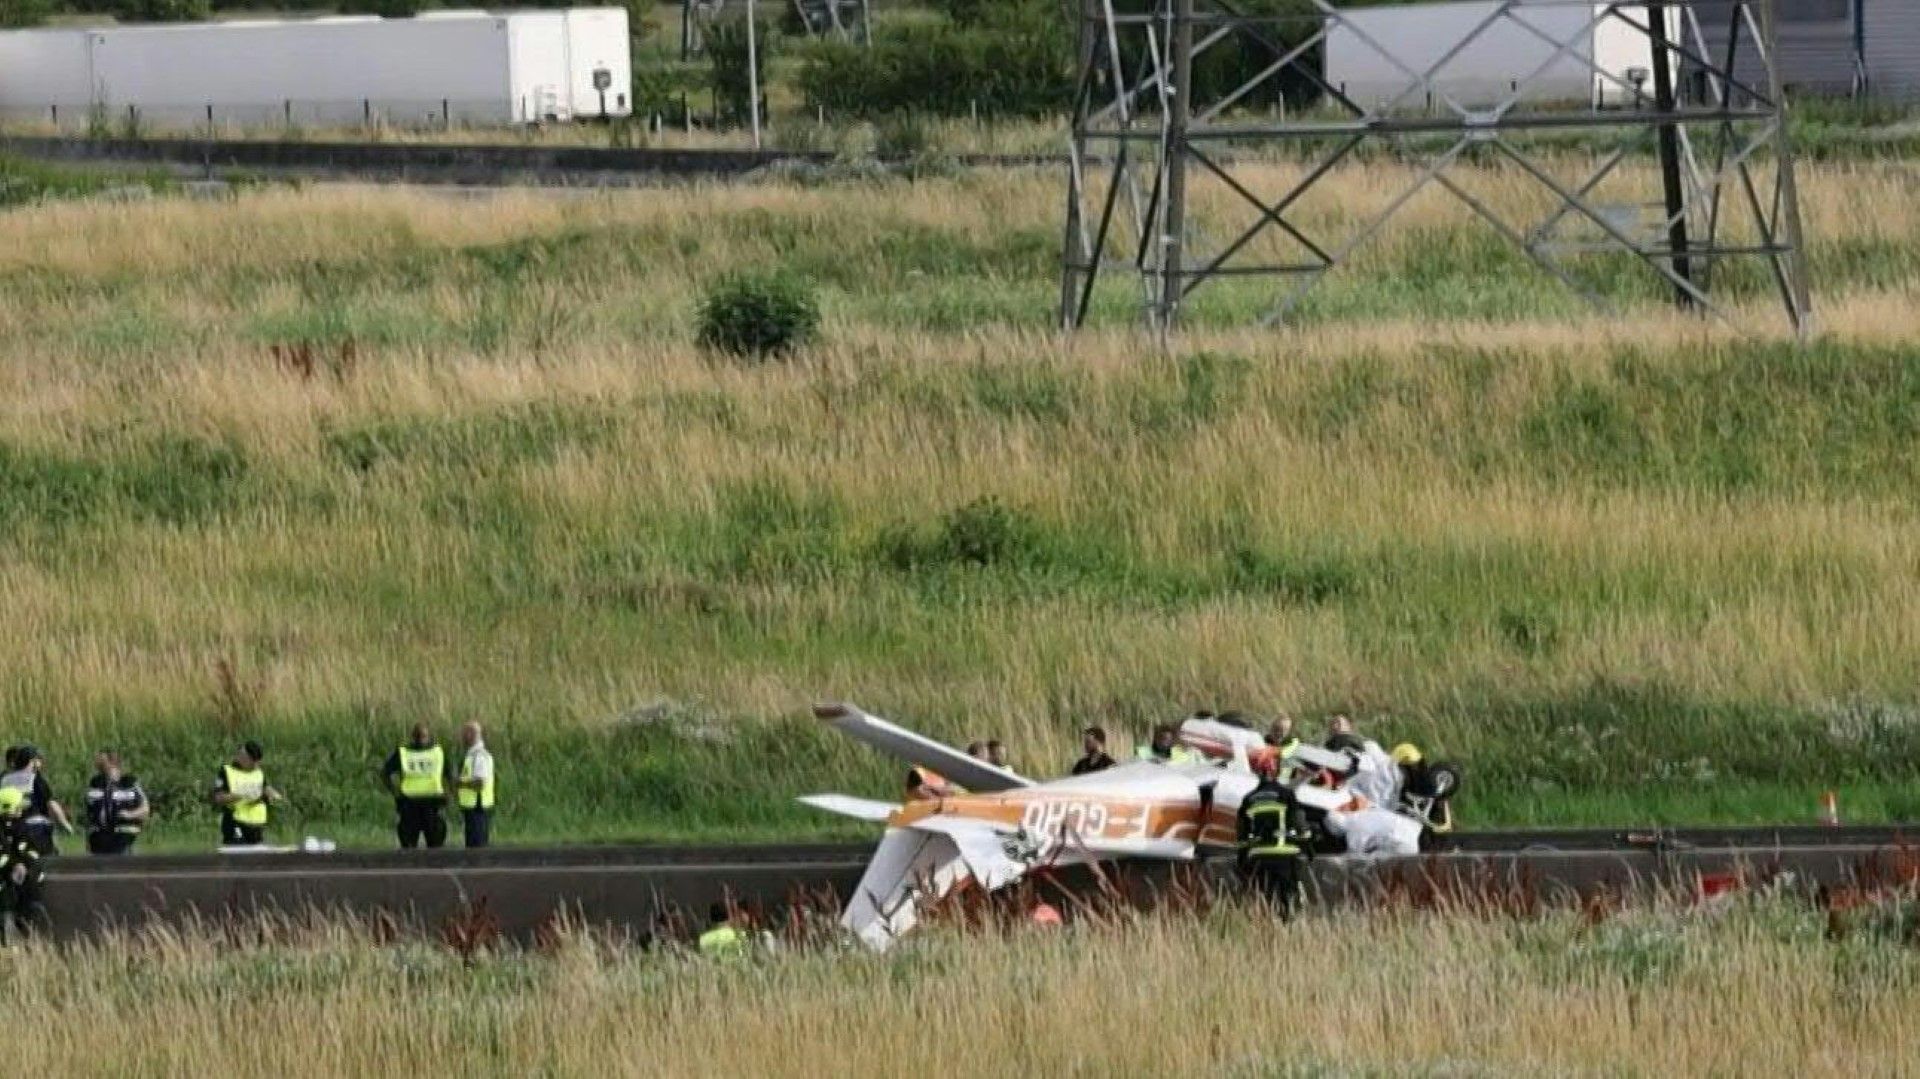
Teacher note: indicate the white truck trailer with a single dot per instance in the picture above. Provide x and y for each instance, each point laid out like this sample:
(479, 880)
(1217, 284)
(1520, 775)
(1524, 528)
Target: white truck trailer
(1512, 49)
(445, 67)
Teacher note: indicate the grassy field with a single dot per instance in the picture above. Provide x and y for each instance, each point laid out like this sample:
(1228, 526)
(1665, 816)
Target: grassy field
(1622, 566)
(1756, 987)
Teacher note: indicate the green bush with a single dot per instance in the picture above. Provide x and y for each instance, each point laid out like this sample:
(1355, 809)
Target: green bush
(758, 314)
(18, 13)
(726, 49)
(1024, 68)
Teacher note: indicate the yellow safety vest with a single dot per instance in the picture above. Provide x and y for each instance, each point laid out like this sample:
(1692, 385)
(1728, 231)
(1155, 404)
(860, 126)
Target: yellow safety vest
(722, 940)
(422, 772)
(1279, 846)
(249, 806)
(470, 798)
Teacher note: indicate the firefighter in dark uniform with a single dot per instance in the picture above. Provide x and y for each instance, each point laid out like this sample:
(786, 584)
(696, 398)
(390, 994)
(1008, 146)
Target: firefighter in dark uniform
(1426, 790)
(21, 874)
(1267, 828)
(417, 774)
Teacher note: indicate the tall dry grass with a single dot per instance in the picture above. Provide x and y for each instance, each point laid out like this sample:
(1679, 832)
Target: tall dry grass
(527, 497)
(1734, 991)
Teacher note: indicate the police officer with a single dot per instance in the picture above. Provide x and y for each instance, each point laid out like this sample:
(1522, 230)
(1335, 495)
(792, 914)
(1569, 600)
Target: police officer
(476, 787)
(1267, 826)
(240, 790)
(722, 940)
(417, 775)
(26, 773)
(117, 808)
(21, 874)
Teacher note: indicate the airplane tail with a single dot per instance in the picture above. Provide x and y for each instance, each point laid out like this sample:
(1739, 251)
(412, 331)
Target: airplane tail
(910, 868)
(975, 775)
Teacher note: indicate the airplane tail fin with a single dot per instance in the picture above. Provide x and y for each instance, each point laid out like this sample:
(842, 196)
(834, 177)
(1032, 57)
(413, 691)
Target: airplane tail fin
(866, 809)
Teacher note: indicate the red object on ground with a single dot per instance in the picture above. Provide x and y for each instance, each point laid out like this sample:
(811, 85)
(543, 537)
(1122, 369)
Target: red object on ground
(1045, 914)
(1830, 809)
(1714, 885)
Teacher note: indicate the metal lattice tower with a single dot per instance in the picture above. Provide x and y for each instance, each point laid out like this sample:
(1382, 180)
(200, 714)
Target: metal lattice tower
(844, 20)
(1141, 144)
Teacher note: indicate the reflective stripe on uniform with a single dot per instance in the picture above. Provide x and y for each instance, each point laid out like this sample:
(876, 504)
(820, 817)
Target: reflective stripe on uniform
(468, 797)
(248, 789)
(422, 772)
(1279, 845)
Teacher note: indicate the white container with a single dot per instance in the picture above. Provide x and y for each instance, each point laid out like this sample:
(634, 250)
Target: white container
(458, 67)
(1516, 56)
(598, 51)
(45, 75)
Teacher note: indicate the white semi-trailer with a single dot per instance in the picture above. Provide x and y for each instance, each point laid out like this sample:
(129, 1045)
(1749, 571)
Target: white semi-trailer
(459, 67)
(1512, 50)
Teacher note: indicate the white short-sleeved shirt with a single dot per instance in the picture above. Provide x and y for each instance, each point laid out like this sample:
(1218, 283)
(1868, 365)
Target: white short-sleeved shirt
(479, 763)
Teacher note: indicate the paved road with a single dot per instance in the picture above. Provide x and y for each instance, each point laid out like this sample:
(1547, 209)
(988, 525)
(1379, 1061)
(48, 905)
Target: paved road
(629, 886)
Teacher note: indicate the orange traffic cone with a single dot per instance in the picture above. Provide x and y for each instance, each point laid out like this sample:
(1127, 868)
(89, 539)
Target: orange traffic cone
(1830, 809)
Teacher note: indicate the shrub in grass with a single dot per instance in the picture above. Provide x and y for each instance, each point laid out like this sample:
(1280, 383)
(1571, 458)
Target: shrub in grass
(758, 315)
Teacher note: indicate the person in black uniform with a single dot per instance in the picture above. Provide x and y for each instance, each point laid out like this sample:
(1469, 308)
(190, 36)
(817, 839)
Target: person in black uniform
(26, 773)
(418, 775)
(1268, 826)
(1093, 742)
(1426, 791)
(117, 808)
(21, 873)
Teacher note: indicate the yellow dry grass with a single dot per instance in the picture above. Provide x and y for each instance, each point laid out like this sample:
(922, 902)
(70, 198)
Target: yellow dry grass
(1649, 994)
(1779, 593)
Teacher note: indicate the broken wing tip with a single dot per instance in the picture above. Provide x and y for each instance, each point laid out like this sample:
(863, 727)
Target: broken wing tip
(831, 710)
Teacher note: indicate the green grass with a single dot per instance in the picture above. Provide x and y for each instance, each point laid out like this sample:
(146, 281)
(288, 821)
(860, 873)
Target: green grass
(1620, 579)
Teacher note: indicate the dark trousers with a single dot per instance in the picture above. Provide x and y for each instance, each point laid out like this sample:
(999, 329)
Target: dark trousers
(235, 834)
(420, 817)
(1276, 879)
(478, 826)
(24, 903)
(110, 842)
(40, 833)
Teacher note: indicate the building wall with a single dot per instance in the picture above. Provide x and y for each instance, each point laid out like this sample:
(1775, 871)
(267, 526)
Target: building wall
(1892, 46)
(1815, 37)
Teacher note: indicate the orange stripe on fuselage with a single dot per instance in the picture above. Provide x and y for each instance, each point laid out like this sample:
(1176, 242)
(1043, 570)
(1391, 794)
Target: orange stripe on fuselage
(1063, 814)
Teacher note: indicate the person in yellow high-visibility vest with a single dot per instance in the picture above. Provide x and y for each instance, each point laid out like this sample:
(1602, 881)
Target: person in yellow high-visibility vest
(418, 776)
(722, 940)
(476, 787)
(240, 790)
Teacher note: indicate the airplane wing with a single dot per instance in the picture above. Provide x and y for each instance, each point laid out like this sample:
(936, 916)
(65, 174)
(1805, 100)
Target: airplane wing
(846, 805)
(975, 775)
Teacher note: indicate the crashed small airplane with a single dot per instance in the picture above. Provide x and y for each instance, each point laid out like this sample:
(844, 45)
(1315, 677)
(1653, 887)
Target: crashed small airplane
(1007, 824)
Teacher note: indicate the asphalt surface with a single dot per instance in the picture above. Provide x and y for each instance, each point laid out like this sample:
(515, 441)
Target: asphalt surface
(629, 887)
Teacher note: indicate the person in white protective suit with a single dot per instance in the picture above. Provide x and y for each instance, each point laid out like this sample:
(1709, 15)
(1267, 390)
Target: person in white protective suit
(1368, 823)
(1372, 830)
(1373, 774)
